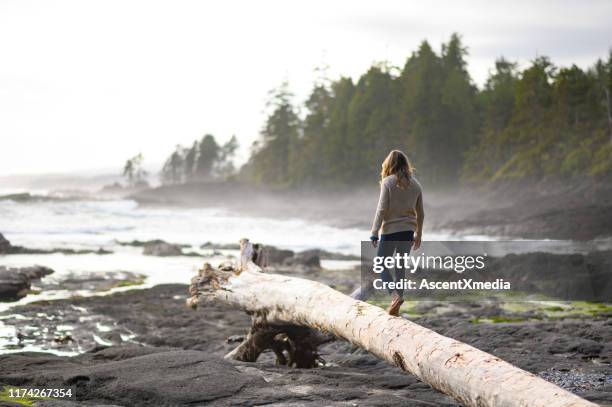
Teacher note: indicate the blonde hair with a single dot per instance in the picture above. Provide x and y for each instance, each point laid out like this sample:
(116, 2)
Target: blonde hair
(397, 164)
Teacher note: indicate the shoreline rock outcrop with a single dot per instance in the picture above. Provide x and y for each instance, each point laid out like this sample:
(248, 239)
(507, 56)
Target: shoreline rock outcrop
(15, 282)
(7, 248)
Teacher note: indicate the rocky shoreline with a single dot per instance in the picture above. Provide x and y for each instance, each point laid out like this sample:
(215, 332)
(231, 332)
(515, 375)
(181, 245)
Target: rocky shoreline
(144, 346)
(7, 248)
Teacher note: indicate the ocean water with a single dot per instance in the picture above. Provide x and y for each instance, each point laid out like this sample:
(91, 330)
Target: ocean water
(102, 224)
(88, 224)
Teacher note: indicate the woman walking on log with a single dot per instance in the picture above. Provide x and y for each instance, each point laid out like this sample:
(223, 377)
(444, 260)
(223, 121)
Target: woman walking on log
(398, 222)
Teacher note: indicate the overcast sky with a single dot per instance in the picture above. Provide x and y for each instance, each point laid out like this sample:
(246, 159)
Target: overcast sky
(86, 84)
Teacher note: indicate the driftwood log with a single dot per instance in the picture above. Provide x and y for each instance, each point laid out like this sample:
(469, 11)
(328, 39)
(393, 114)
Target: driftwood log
(292, 316)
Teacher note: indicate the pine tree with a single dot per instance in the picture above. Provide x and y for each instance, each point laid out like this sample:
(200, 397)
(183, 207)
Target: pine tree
(497, 101)
(134, 173)
(224, 166)
(422, 117)
(208, 154)
(189, 163)
(173, 170)
(276, 151)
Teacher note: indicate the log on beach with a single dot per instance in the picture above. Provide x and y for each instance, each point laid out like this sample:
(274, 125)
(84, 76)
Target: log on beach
(292, 316)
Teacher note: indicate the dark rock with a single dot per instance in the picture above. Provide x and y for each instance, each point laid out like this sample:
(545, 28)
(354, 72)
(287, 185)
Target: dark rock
(16, 281)
(235, 339)
(219, 246)
(308, 258)
(35, 272)
(13, 285)
(326, 255)
(161, 378)
(162, 249)
(586, 347)
(94, 281)
(7, 248)
(63, 339)
(145, 243)
(5, 245)
(156, 316)
(561, 276)
(278, 256)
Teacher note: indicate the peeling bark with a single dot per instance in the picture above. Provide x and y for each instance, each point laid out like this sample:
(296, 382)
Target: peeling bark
(288, 311)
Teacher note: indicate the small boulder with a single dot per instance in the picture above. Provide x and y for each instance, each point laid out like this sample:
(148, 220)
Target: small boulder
(16, 281)
(278, 256)
(162, 249)
(308, 258)
(220, 246)
(13, 285)
(35, 272)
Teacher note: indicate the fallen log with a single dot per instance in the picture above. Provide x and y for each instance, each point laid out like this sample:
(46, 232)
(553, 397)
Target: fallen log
(288, 312)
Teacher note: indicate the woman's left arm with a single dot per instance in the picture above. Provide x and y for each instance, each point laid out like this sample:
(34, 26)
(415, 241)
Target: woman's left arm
(420, 218)
(381, 208)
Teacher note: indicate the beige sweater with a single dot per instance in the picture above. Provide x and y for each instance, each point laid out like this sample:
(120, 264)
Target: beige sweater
(396, 211)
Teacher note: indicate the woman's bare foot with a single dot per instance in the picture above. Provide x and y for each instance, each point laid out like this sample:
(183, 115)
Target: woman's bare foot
(396, 303)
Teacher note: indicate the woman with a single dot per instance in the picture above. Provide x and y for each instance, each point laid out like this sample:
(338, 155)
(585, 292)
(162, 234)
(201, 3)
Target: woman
(399, 217)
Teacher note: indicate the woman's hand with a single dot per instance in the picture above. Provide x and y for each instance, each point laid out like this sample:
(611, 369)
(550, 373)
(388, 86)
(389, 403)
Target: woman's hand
(374, 240)
(417, 241)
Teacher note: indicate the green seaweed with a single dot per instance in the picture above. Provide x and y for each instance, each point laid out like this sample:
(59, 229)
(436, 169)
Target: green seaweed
(140, 280)
(500, 319)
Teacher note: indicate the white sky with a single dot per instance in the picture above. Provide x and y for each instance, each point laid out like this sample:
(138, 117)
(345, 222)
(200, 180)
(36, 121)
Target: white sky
(86, 84)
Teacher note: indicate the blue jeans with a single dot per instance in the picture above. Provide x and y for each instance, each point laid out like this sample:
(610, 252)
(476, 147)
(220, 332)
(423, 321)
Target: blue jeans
(388, 245)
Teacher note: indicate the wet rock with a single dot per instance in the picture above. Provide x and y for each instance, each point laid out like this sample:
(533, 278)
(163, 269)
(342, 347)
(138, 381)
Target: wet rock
(7, 248)
(289, 258)
(327, 255)
(94, 281)
(145, 243)
(162, 249)
(13, 285)
(278, 256)
(220, 246)
(158, 247)
(307, 258)
(15, 282)
(235, 339)
(35, 272)
(113, 337)
(63, 339)
(586, 347)
(561, 276)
